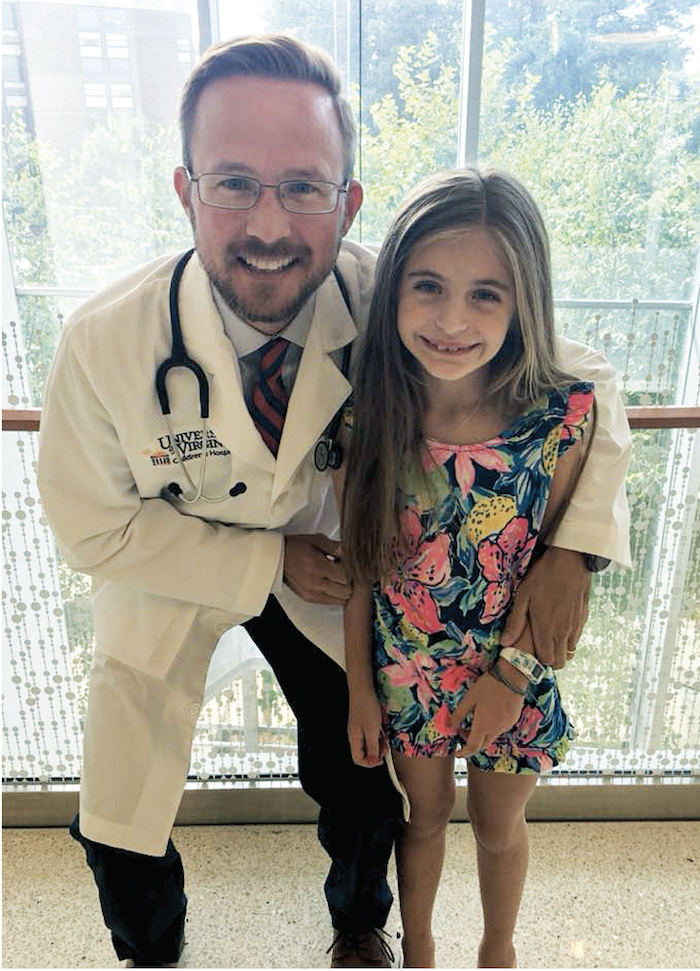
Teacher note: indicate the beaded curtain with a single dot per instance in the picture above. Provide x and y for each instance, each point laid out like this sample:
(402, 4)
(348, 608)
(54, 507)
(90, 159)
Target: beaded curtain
(633, 690)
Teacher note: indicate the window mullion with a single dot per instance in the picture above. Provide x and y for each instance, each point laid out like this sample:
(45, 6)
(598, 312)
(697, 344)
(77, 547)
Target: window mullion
(470, 81)
(208, 17)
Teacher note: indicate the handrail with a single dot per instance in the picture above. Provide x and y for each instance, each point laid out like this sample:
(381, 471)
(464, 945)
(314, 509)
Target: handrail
(657, 416)
(660, 416)
(21, 420)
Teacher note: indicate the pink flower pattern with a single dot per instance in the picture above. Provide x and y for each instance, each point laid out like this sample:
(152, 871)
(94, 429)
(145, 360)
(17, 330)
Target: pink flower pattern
(427, 565)
(486, 456)
(442, 720)
(504, 561)
(415, 672)
(577, 413)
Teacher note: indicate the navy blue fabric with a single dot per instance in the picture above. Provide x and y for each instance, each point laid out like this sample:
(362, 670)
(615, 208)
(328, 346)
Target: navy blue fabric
(360, 810)
(142, 898)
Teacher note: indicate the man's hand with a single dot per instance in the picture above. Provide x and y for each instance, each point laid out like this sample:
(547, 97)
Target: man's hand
(552, 602)
(494, 709)
(368, 744)
(313, 570)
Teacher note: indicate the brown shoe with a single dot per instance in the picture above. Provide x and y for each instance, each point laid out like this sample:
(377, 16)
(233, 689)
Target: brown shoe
(361, 949)
(130, 964)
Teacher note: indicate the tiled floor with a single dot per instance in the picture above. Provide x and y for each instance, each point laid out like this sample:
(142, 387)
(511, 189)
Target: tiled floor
(600, 895)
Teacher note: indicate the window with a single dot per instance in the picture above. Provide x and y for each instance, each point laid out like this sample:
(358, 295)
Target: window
(594, 106)
(121, 96)
(14, 91)
(9, 17)
(115, 19)
(95, 46)
(12, 67)
(117, 45)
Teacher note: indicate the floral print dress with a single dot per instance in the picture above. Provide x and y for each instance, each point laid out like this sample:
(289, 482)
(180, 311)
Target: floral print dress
(471, 525)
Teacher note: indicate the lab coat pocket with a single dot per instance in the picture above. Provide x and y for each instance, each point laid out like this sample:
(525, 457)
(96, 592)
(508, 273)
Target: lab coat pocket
(140, 629)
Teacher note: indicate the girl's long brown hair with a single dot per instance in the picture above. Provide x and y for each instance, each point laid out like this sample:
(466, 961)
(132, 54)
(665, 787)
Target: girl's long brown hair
(390, 396)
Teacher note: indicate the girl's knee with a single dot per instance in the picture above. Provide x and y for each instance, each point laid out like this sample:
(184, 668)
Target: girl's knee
(430, 784)
(430, 812)
(496, 831)
(496, 803)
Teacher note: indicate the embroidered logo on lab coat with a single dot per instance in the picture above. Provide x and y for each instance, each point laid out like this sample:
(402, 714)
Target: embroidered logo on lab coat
(189, 446)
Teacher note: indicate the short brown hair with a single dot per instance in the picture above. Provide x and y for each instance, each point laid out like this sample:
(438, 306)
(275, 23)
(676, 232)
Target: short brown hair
(268, 56)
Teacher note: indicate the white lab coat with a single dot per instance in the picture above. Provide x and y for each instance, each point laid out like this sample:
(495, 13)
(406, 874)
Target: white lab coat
(170, 578)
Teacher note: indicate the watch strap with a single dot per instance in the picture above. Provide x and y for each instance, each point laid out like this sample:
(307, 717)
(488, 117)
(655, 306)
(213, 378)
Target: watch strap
(527, 664)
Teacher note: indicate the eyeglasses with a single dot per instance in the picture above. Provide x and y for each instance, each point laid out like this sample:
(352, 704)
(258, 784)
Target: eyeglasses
(226, 191)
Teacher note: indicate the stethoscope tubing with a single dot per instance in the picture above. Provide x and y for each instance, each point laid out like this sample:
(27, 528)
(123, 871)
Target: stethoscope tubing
(328, 452)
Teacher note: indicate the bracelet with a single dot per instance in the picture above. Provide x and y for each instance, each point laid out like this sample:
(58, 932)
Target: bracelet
(526, 664)
(505, 680)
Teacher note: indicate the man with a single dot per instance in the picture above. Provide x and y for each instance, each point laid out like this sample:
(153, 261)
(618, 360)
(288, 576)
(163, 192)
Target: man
(194, 500)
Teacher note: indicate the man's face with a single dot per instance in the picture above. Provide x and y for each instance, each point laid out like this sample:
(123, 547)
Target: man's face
(266, 261)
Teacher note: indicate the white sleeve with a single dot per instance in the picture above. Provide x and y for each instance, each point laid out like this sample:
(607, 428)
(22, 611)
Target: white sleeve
(103, 527)
(597, 518)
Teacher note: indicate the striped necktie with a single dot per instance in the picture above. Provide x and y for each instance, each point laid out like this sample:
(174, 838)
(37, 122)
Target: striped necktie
(269, 403)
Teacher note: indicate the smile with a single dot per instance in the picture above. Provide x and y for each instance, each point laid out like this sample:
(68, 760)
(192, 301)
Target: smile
(267, 264)
(441, 348)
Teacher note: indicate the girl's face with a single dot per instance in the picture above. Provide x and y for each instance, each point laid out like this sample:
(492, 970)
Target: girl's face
(455, 302)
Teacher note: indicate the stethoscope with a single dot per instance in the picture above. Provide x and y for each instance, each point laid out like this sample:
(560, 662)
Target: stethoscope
(328, 453)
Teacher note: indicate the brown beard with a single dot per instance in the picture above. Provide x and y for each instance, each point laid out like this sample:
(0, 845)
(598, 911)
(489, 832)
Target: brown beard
(284, 314)
(281, 316)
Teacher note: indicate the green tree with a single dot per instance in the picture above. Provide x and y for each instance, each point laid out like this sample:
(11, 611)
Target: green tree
(26, 169)
(618, 182)
(386, 27)
(617, 174)
(413, 133)
(573, 45)
(115, 206)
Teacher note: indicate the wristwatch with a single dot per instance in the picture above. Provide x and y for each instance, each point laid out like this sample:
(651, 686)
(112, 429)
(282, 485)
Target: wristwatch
(527, 664)
(595, 563)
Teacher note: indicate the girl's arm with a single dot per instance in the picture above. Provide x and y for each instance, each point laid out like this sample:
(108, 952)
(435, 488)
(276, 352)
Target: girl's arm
(562, 483)
(367, 742)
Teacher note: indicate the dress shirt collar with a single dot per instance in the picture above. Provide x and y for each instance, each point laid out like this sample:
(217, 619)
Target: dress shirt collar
(246, 339)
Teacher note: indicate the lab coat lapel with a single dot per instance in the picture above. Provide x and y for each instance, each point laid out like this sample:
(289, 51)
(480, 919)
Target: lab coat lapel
(206, 342)
(320, 388)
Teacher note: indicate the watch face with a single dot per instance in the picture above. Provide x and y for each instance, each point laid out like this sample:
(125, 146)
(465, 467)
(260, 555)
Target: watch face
(537, 671)
(596, 563)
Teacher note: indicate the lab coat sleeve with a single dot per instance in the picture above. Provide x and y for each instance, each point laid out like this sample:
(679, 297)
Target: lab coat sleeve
(103, 527)
(597, 518)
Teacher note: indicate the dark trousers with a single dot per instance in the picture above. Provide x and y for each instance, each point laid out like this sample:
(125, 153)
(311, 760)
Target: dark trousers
(142, 897)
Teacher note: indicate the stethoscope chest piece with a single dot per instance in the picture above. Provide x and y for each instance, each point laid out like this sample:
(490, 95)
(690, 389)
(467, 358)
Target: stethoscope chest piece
(328, 454)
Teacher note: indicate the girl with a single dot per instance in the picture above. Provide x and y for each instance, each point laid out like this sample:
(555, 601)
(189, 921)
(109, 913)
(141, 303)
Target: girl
(464, 445)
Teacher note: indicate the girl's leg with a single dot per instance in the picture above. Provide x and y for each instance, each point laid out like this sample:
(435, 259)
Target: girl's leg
(496, 803)
(420, 851)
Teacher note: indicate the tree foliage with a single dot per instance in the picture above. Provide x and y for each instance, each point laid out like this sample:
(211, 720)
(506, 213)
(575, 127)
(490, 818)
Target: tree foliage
(26, 170)
(412, 134)
(573, 45)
